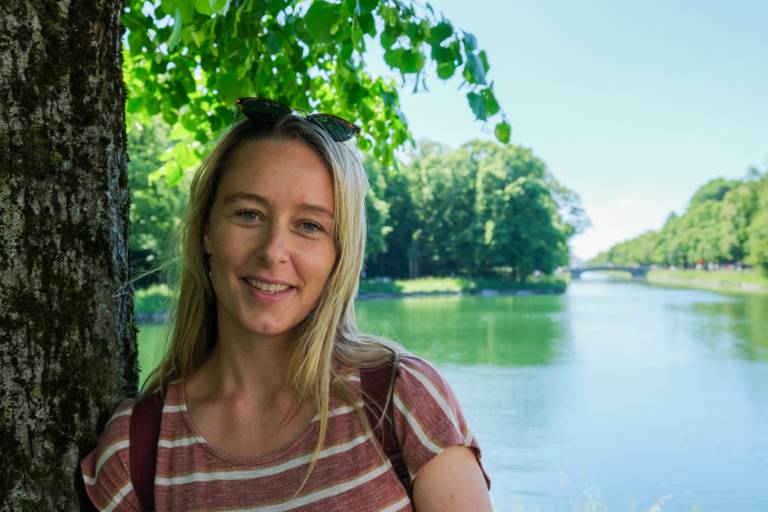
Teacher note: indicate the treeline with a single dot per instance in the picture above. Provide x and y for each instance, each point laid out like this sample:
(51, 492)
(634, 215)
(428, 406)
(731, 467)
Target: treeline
(726, 222)
(482, 209)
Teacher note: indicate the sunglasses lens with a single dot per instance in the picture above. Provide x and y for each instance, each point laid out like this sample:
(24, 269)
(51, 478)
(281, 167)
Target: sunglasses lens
(263, 111)
(340, 130)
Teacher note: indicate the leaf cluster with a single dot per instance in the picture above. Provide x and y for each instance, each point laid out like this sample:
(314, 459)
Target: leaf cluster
(188, 60)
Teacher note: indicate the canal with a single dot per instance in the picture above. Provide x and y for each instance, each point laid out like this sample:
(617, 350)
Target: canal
(614, 396)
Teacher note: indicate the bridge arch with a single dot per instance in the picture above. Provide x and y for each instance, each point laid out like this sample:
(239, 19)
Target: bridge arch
(636, 272)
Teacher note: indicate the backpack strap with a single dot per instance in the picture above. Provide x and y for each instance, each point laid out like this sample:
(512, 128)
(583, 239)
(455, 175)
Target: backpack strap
(144, 433)
(378, 390)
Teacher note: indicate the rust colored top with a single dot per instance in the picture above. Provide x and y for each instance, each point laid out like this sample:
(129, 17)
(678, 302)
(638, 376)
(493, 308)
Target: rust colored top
(350, 474)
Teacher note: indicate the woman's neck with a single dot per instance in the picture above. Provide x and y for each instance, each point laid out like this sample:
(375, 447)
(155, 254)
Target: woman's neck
(246, 368)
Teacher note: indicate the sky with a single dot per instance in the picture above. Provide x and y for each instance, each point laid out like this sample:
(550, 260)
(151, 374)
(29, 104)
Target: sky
(633, 105)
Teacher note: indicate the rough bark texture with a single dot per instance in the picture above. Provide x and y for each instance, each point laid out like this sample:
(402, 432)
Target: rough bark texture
(67, 338)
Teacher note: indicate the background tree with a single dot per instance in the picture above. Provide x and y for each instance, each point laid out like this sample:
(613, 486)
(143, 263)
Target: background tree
(67, 349)
(725, 223)
(156, 203)
(479, 210)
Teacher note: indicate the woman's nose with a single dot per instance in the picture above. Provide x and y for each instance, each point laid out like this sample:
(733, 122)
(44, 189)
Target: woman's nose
(273, 246)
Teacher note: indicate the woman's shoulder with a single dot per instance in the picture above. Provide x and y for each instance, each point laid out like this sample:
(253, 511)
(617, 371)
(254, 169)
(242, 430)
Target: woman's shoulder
(421, 386)
(428, 415)
(106, 469)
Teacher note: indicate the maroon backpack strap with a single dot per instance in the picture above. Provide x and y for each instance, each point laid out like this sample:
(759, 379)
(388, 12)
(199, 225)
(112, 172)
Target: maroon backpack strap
(144, 433)
(375, 383)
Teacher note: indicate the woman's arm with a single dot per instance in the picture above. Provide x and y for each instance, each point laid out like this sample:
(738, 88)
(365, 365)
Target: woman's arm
(452, 481)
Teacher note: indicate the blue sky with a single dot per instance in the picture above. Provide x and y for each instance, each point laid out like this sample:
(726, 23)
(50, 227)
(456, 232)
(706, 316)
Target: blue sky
(633, 105)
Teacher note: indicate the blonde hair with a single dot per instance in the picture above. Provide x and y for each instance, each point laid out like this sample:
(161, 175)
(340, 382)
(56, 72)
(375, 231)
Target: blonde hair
(329, 334)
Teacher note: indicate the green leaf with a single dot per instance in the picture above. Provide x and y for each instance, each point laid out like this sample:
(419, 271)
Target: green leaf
(174, 175)
(204, 7)
(198, 36)
(470, 42)
(133, 105)
(135, 21)
(445, 70)
(491, 104)
(440, 32)
(320, 17)
(357, 35)
(484, 60)
(368, 5)
(503, 132)
(388, 38)
(346, 50)
(473, 70)
(363, 144)
(441, 54)
(477, 104)
(412, 61)
(393, 58)
(176, 35)
(229, 87)
(368, 24)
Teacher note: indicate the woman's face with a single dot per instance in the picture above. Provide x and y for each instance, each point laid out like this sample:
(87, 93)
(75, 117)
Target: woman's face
(270, 236)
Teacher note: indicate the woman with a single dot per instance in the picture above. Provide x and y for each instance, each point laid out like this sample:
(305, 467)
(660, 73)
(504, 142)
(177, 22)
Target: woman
(263, 407)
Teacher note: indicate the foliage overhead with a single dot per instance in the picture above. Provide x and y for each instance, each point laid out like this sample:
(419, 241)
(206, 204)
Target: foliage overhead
(189, 60)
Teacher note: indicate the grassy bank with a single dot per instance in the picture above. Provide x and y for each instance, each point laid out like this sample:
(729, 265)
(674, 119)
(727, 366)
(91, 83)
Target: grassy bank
(458, 285)
(744, 281)
(151, 304)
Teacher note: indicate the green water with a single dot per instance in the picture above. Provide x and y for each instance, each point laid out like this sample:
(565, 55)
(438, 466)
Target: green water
(613, 396)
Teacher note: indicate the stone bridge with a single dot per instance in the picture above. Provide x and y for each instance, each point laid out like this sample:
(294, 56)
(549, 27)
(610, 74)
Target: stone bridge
(637, 272)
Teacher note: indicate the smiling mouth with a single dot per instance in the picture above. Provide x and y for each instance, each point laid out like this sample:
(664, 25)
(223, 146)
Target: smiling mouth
(266, 287)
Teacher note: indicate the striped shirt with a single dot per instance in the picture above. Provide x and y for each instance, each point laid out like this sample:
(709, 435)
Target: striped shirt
(350, 474)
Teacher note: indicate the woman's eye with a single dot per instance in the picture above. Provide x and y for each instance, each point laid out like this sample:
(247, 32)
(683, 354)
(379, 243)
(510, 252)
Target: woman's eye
(311, 227)
(248, 215)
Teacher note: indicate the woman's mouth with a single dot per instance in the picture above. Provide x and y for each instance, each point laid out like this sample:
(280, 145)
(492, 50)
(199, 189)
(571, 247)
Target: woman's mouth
(266, 287)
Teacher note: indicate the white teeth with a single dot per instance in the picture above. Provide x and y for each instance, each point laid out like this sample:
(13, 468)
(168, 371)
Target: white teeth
(267, 287)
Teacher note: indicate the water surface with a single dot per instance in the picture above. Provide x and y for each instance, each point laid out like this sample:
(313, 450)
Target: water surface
(614, 396)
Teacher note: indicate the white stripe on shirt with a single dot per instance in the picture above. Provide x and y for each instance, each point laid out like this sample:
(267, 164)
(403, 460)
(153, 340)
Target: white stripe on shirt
(260, 472)
(414, 424)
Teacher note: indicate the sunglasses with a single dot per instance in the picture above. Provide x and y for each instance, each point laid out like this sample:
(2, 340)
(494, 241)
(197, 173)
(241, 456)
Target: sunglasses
(264, 110)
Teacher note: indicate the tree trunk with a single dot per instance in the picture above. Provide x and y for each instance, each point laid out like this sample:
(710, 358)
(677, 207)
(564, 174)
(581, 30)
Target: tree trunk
(67, 338)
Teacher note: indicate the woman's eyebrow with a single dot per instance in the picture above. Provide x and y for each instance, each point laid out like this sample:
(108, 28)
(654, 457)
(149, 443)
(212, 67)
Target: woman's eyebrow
(245, 196)
(317, 209)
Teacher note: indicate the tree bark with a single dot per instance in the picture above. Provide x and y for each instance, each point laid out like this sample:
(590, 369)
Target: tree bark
(67, 338)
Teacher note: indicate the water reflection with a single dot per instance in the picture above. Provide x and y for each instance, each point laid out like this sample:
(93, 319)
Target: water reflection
(738, 325)
(504, 331)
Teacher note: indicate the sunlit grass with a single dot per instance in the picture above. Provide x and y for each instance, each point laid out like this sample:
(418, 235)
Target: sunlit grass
(426, 285)
(151, 342)
(745, 281)
(730, 276)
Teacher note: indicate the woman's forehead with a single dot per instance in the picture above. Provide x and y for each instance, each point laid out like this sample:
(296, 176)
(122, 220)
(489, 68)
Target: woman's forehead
(273, 170)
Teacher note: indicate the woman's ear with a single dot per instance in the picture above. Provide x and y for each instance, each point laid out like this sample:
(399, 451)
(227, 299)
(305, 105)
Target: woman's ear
(206, 240)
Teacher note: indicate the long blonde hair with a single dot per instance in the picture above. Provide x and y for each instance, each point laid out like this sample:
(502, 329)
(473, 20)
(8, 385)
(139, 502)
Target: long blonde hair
(329, 334)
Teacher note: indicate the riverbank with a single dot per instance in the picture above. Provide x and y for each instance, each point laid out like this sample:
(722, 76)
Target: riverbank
(486, 286)
(152, 303)
(733, 281)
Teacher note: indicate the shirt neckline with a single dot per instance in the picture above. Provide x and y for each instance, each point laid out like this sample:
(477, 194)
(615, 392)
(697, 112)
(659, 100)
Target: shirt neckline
(291, 449)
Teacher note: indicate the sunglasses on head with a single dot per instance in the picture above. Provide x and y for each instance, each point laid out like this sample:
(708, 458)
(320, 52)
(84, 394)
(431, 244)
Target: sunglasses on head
(264, 110)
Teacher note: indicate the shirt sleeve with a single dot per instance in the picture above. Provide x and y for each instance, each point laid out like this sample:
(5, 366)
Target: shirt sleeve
(428, 417)
(106, 470)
